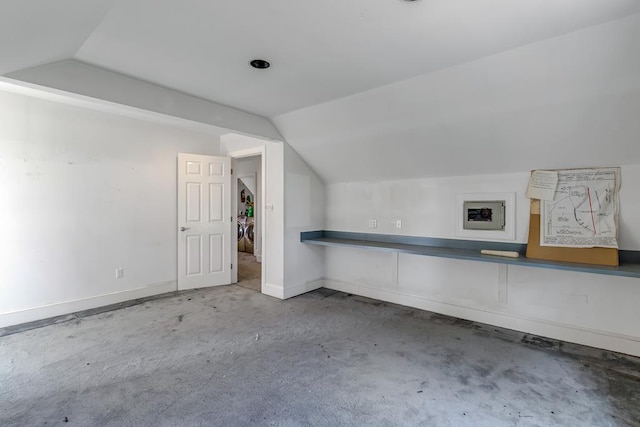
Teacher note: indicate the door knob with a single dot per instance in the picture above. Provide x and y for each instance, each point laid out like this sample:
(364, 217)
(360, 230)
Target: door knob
(184, 228)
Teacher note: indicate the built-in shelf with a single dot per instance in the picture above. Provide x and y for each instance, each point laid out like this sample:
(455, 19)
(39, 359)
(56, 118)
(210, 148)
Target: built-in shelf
(463, 249)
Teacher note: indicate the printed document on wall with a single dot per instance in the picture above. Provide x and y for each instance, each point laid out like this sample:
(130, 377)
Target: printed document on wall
(584, 209)
(542, 185)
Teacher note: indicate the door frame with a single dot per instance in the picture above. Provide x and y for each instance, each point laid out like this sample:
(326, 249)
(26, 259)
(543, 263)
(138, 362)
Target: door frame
(239, 154)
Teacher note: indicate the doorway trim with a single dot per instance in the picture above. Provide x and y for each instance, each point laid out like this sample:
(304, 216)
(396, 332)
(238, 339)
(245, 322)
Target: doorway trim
(239, 154)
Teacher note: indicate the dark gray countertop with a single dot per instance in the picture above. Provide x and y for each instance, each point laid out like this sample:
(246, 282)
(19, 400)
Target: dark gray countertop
(463, 249)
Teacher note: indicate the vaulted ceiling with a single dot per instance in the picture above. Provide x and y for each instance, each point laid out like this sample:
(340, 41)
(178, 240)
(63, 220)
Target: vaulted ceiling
(347, 76)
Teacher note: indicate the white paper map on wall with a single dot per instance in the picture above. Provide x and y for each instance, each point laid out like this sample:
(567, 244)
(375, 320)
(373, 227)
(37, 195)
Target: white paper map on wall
(584, 210)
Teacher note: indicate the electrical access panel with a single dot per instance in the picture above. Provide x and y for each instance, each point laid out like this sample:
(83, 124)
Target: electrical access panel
(483, 215)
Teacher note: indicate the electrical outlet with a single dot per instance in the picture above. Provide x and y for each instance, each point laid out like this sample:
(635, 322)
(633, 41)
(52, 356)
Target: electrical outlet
(373, 223)
(398, 223)
(119, 273)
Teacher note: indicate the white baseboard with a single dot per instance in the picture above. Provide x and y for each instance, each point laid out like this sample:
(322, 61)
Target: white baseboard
(571, 333)
(291, 291)
(303, 288)
(59, 309)
(273, 290)
(259, 258)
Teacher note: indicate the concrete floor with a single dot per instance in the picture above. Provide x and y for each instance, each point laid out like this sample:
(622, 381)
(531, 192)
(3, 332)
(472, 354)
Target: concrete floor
(249, 272)
(230, 356)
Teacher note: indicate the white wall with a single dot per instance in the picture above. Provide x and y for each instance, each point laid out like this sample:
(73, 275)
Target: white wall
(425, 206)
(304, 211)
(273, 196)
(295, 196)
(590, 309)
(82, 193)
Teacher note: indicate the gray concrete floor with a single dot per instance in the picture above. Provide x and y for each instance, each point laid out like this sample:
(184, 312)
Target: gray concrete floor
(249, 272)
(230, 356)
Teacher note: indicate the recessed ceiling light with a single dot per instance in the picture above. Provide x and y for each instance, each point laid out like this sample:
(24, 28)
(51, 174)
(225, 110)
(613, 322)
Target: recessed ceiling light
(260, 64)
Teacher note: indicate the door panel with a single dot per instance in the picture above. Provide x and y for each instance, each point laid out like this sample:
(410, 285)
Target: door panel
(194, 168)
(194, 201)
(204, 221)
(194, 255)
(216, 249)
(216, 202)
(216, 169)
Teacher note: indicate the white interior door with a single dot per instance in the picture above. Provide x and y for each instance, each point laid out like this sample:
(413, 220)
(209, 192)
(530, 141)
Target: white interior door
(204, 221)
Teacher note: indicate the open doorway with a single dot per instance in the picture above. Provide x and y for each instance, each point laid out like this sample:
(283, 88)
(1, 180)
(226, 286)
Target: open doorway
(248, 204)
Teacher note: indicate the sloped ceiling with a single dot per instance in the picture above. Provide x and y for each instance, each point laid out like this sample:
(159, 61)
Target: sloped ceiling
(36, 32)
(368, 89)
(571, 101)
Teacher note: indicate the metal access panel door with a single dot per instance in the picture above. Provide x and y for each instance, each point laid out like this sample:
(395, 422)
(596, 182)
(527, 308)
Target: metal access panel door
(484, 215)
